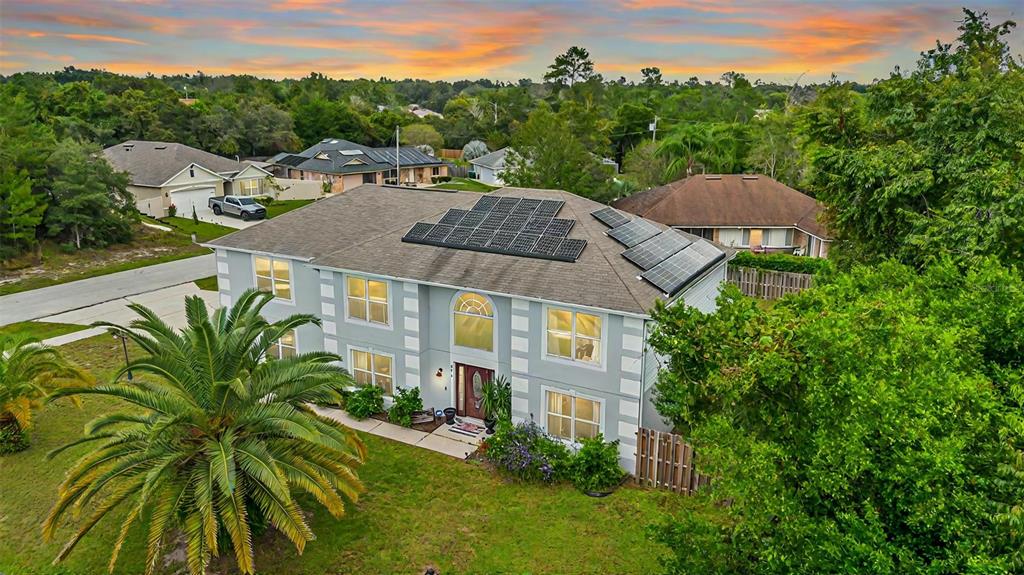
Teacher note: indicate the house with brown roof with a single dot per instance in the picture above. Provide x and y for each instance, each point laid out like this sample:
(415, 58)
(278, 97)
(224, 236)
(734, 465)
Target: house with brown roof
(442, 290)
(746, 211)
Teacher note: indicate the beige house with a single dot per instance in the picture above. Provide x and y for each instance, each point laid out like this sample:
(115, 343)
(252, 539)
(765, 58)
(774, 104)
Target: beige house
(165, 174)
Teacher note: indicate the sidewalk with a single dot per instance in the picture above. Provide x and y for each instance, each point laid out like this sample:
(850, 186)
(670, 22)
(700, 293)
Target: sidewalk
(433, 441)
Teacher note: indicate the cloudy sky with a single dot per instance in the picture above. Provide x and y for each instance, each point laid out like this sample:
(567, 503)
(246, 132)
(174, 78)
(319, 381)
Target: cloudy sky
(507, 40)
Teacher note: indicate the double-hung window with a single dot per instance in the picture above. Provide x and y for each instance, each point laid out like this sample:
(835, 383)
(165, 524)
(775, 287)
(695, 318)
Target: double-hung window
(370, 368)
(273, 275)
(249, 187)
(573, 418)
(284, 347)
(367, 300)
(574, 335)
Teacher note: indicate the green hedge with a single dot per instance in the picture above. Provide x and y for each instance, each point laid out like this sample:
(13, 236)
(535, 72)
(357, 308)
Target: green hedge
(781, 262)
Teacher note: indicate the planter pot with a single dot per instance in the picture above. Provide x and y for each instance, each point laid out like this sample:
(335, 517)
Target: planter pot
(449, 415)
(489, 424)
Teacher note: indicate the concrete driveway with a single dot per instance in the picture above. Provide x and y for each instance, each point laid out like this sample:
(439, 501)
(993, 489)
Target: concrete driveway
(229, 221)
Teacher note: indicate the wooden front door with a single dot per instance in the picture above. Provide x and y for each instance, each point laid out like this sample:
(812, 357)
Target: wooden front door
(469, 387)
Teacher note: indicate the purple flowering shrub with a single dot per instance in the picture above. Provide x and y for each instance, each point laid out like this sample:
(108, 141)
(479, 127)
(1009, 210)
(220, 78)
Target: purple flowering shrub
(526, 452)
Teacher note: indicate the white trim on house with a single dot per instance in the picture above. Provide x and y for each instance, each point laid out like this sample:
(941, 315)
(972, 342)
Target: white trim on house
(259, 253)
(470, 353)
(182, 171)
(600, 365)
(366, 279)
(291, 277)
(373, 370)
(603, 417)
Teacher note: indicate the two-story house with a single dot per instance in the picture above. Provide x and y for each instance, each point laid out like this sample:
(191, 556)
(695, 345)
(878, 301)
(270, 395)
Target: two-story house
(442, 290)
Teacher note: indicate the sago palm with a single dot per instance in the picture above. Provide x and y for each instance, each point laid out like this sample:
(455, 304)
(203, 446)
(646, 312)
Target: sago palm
(219, 440)
(29, 372)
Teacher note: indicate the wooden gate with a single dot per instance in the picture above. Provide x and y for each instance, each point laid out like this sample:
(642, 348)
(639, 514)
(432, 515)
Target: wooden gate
(666, 460)
(767, 284)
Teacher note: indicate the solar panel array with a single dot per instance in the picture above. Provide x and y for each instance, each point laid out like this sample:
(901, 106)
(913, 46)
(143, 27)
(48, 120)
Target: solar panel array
(669, 260)
(504, 225)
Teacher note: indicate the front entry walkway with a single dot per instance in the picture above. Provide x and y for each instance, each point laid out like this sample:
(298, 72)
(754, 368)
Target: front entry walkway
(442, 440)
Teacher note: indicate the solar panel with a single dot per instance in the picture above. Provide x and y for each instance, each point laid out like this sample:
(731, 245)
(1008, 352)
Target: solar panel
(501, 240)
(549, 208)
(678, 270)
(439, 233)
(527, 205)
(610, 217)
(453, 217)
(486, 203)
(523, 243)
(473, 218)
(634, 232)
(648, 254)
(458, 236)
(418, 231)
(505, 204)
(514, 223)
(559, 227)
(546, 245)
(479, 238)
(536, 225)
(493, 221)
(570, 249)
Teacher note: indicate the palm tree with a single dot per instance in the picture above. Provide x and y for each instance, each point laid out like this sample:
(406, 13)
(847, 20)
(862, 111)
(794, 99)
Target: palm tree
(222, 438)
(29, 373)
(683, 147)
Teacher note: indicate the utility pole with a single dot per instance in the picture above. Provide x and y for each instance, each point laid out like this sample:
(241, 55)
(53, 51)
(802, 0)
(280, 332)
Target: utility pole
(495, 104)
(653, 127)
(398, 162)
(186, 92)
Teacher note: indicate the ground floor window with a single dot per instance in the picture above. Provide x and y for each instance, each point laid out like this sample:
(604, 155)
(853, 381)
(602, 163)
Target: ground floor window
(706, 233)
(249, 187)
(370, 178)
(573, 418)
(370, 368)
(284, 347)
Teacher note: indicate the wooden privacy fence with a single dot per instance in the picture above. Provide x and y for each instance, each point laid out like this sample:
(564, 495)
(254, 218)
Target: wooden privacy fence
(457, 171)
(451, 153)
(666, 460)
(767, 284)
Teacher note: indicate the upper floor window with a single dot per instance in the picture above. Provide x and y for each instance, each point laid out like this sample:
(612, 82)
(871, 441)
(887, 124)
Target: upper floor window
(367, 300)
(273, 275)
(249, 187)
(573, 418)
(473, 322)
(370, 368)
(287, 346)
(574, 335)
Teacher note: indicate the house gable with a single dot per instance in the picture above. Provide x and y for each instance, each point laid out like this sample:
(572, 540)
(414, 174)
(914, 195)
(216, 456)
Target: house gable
(194, 174)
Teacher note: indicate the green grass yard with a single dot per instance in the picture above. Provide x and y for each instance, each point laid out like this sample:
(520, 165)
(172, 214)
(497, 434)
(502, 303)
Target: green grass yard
(40, 329)
(204, 231)
(465, 185)
(284, 206)
(208, 283)
(421, 509)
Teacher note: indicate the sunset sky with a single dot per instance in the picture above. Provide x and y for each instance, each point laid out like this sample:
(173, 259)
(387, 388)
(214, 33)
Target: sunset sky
(508, 40)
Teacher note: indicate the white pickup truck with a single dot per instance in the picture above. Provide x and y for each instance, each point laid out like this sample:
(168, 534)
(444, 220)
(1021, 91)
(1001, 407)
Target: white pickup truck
(241, 206)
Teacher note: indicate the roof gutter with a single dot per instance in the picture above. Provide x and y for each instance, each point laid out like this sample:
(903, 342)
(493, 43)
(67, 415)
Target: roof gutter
(255, 252)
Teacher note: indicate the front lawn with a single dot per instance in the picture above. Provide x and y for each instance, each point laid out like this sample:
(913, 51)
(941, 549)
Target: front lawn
(208, 283)
(204, 231)
(465, 185)
(421, 509)
(150, 246)
(284, 206)
(40, 329)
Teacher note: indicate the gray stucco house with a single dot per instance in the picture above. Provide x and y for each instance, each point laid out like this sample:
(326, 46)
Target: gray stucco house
(442, 290)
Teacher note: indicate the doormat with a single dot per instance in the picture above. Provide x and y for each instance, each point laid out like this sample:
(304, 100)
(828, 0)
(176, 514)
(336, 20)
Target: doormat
(467, 428)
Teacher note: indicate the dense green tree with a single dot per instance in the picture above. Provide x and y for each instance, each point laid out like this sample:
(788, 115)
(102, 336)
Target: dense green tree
(683, 147)
(545, 154)
(21, 212)
(645, 167)
(570, 67)
(651, 76)
(774, 150)
(217, 440)
(89, 202)
(25, 141)
(319, 118)
(869, 425)
(422, 135)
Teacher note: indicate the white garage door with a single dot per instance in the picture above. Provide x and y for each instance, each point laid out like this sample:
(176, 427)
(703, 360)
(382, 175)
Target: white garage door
(185, 200)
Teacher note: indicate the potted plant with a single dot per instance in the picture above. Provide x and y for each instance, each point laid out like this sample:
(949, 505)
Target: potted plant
(496, 402)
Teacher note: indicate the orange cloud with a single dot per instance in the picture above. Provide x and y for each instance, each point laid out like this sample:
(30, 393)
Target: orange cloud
(695, 5)
(71, 36)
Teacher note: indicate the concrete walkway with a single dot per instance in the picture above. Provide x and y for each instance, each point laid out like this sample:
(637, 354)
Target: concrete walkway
(48, 301)
(436, 441)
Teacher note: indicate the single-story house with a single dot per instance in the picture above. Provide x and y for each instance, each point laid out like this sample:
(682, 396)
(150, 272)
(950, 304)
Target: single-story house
(490, 167)
(421, 112)
(442, 290)
(167, 173)
(346, 165)
(745, 211)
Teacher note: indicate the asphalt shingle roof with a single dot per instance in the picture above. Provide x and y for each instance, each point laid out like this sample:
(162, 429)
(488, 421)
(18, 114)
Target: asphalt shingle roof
(153, 163)
(727, 200)
(368, 160)
(495, 159)
(361, 230)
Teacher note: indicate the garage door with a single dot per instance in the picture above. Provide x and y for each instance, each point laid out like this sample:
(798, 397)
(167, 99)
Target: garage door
(185, 200)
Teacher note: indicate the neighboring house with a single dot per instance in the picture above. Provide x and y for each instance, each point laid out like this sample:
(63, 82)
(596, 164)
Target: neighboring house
(743, 211)
(489, 168)
(166, 173)
(421, 113)
(558, 308)
(346, 165)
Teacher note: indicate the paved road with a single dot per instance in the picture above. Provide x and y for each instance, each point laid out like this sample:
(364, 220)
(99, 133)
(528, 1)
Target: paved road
(52, 300)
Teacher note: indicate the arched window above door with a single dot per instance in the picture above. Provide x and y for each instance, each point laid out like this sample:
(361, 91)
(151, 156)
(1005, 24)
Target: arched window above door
(473, 321)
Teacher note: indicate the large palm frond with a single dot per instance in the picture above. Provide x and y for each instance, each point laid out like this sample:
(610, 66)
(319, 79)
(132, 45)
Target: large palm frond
(217, 434)
(29, 372)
